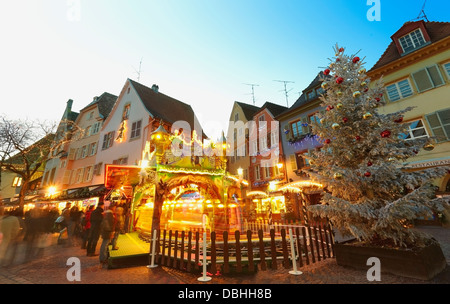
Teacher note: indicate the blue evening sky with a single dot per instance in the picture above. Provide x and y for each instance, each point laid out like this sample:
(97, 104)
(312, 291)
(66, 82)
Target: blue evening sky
(202, 52)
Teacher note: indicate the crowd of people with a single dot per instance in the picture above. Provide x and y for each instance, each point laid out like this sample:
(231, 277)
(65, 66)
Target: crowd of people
(29, 233)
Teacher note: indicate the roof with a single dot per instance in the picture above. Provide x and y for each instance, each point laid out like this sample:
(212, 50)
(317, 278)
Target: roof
(249, 110)
(165, 107)
(436, 31)
(105, 103)
(273, 108)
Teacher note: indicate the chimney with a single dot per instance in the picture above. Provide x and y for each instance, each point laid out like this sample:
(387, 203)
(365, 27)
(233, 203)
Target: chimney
(155, 88)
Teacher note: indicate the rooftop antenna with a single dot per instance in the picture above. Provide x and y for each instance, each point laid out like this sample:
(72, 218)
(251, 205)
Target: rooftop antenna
(138, 72)
(422, 13)
(253, 90)
(285, 89)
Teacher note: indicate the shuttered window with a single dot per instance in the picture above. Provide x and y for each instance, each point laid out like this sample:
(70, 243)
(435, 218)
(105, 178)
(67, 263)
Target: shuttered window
(293, 161)
(399, 90)
(440, 124)
(447, 69)
(427, 78)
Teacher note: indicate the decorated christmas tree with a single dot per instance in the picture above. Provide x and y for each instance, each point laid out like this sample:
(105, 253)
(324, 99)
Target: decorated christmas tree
(368, 192)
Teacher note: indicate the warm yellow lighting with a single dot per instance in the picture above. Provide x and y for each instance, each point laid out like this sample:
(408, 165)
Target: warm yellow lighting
(158, 136)
(240, 171)
(251, 193)
(51, 191)
(221, 206)
(209, 206)
(272, 186)
(300, 184)
(280, 165)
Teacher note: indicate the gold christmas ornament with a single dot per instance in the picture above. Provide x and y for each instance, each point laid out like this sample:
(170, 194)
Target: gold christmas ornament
(339, 93)
(339, 105)
(363, 83)
(337, 175)
(428, 147)
(356, 94)
(392, 159)
(335, 126)
(367, 115)
(322, 121)
(324, 85)
(362, 71)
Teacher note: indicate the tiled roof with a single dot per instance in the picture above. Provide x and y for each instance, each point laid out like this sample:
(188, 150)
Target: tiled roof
(273, 108)
(249, 110)
(436, 31)
(164, 107)
(105, 104)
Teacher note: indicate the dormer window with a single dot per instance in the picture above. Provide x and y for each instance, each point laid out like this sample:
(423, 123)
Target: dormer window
(412, 41)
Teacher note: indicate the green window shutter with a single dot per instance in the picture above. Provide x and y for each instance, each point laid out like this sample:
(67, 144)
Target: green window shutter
(439, 130)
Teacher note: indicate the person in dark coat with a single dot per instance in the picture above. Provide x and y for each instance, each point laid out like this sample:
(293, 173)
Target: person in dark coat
(107, 230)
(96, 219)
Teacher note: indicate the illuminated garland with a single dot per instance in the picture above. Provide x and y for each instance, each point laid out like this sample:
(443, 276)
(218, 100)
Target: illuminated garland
(169, 169)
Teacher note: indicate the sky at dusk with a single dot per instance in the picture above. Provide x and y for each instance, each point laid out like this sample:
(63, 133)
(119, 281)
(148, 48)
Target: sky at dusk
(202, 52)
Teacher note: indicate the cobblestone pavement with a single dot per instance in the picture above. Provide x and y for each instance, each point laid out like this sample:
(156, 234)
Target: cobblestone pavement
(51, 268)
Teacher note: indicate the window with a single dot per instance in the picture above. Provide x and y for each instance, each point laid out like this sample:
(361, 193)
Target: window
(447, 69)
(87, 131)
(267, 171)
(126, 112)
(427, 78)
(263, 143)
(88, 174)
(136, 129)
(17, 181)
(412, 41)
(95, 128)
(399, 90)
(293, 162)
(236, 117)
(80, 175)
(98, 169)
(311, 94)
(257, 172)
(91, 115)
(254, 150)
(92, 149)
(273, 139)
(262, 118)
(108, 140)
(440, 124)
(84, 151)
(416, 129)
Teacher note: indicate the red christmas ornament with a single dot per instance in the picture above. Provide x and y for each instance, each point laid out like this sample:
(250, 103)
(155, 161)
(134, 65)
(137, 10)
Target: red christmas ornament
(369, 163)
(339, 80)
(358, 137)
(385, 133)
(367, 174)
(326, 72)
(377, 99)
(327, 141)
(399, 120)
(341, 50)
(345, 119)
(329, 108)
(355, 60)
(337, 59)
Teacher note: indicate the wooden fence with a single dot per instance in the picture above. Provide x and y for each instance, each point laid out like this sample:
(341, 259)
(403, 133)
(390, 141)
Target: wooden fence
(244, 252)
